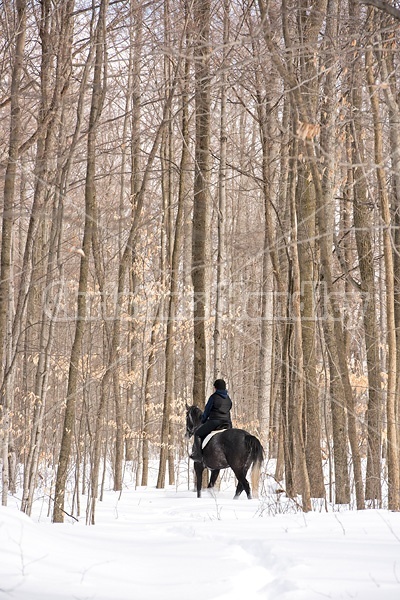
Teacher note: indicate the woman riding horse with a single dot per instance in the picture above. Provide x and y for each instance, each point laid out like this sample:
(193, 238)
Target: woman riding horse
(234, 448)
(217, 415)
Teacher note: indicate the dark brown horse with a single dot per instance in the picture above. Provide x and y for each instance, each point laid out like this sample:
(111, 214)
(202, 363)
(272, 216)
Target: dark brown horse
(234, 448)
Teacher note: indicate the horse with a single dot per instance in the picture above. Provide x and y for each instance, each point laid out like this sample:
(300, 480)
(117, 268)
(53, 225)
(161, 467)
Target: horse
(234, 448)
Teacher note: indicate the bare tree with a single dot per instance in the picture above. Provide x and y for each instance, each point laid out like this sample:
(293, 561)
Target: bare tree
(391, 401)
(172, 308)
(42, 245)
(220, 299)
(98, 42)
(362, 223)
(201, 199)
(7, 224)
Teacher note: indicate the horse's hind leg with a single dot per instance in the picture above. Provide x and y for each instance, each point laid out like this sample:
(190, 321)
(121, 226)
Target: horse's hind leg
(213, 478)
(243, 484)
(239, 490)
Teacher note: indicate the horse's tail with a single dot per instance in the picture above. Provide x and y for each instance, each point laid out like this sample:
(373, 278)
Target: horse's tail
(256, 452)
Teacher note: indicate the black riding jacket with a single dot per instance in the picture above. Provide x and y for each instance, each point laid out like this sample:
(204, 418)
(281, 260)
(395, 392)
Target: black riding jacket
(218, 408)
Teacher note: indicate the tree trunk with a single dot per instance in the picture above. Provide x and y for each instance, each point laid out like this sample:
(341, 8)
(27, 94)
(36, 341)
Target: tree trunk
(363, 225)
(270, 268)
(6, 236)
(201, 206)
(298, 360)
(391, 95)
(147, 409)
(392, 98)
(220, 303)
(305, 207)
(173, 292)
(41, 245)
(391, 401)
(136, 48)
(338, 351)
(90, 216)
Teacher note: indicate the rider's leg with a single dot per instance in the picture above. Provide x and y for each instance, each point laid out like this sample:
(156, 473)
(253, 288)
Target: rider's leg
(196, 453)
(200, 435)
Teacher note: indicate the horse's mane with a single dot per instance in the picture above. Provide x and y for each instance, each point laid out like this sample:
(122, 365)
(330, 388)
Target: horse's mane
(196, 409)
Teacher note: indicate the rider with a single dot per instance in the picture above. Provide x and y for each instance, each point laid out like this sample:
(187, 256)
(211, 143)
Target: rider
(216, 415)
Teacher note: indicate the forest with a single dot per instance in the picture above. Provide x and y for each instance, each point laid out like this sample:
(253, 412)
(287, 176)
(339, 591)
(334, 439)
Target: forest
(194, 189)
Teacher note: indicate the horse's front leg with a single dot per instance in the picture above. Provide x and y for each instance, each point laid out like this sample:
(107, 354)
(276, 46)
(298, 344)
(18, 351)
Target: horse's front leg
(213, 478)
(198, 469)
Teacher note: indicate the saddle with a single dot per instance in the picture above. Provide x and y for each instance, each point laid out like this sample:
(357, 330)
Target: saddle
(208, 437)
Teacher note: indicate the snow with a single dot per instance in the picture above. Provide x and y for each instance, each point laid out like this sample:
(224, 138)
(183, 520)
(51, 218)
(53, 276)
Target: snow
(151, 544)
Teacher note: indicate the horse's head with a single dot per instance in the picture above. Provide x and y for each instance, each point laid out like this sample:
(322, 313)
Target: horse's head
(193, 419)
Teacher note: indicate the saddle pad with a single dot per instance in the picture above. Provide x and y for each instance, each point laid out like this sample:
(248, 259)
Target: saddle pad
(209, 436)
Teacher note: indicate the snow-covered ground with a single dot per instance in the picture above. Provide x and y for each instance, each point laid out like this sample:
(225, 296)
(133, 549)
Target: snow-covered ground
(168, 545)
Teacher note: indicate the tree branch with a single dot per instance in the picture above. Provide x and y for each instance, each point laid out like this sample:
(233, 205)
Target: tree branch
(384, 6)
